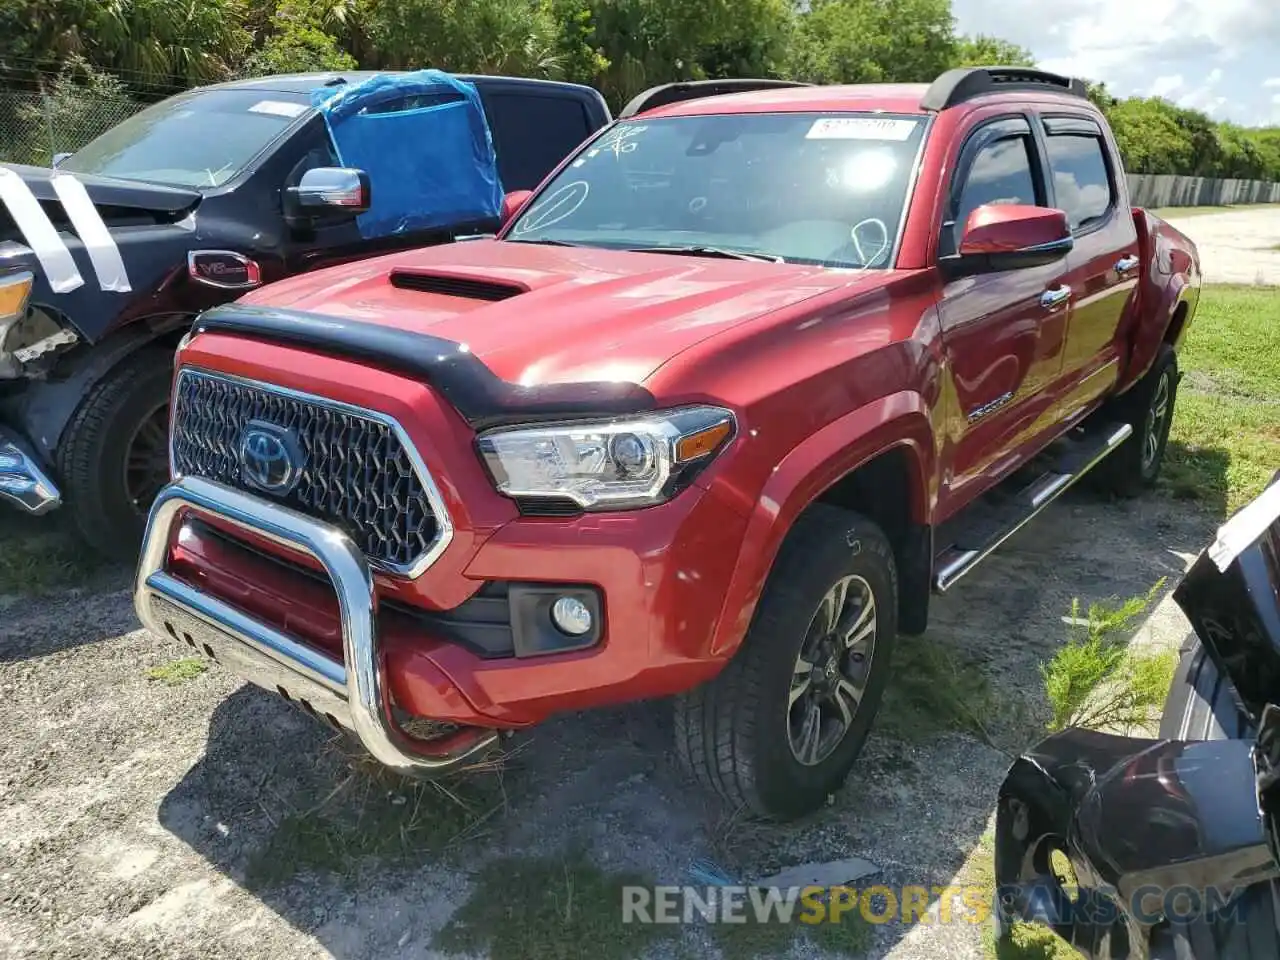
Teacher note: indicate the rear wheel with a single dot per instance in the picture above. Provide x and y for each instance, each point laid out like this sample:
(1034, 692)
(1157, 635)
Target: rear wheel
(779, 729)
(113, 457)
(1148, 408)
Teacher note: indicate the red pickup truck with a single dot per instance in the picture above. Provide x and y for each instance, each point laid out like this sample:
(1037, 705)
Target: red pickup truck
(743, 382)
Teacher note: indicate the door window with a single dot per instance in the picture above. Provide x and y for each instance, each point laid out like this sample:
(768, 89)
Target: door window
(1001, 173)
(531, 134)
(1081, 182)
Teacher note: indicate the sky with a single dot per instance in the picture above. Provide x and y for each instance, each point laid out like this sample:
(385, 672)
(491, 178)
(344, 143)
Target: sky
(1219, 56)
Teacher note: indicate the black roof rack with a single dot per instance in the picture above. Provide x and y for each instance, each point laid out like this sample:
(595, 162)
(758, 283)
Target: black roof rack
(695, 90)
(965, 83)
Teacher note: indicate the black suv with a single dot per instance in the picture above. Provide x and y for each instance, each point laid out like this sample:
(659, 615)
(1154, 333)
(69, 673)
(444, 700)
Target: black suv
(106, 257)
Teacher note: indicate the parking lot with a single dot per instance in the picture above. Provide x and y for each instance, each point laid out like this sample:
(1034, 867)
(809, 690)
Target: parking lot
(148, 808)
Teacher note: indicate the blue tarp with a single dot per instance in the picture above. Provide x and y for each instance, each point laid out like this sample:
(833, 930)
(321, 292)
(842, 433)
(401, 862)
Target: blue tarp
(431, 165)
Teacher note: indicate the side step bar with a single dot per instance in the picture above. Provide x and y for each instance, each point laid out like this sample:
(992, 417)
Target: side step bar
(973, 546)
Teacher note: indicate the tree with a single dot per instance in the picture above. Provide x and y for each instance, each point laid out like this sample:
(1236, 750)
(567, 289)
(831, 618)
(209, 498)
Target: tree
(578, 54)
(868, 41)
(1149, 137)
(517, 37)
(150, 44)
(984, 51)
(299, 42)
(648, 42)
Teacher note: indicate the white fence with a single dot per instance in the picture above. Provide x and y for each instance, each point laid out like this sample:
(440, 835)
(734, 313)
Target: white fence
(1161, 190)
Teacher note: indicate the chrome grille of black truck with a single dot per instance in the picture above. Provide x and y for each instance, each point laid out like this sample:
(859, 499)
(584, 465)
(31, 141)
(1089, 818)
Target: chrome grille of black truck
(356, 470)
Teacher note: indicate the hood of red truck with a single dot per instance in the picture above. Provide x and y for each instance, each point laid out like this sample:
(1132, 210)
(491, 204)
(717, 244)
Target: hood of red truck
(537, 314)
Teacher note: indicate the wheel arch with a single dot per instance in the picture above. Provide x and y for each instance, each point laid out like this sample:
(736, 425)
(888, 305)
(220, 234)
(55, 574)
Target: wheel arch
(888, 442)
(46, 406)
(1167, 321)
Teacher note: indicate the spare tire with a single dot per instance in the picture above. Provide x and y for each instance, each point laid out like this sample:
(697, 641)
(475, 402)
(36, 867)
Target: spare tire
(1203, 705)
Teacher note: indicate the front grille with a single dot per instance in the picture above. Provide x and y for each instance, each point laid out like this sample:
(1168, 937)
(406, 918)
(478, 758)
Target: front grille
(357, 472)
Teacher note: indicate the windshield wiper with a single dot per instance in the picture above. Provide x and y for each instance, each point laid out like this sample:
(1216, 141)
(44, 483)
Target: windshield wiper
(545, 241)
(721, 252)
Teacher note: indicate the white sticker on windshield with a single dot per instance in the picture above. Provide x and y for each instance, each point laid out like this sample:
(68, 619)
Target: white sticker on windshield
(278, 108)
(861, 128)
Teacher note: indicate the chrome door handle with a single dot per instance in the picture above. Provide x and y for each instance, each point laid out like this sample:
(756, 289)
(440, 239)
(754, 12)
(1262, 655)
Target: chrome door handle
(1125, 264)
(1051, 298)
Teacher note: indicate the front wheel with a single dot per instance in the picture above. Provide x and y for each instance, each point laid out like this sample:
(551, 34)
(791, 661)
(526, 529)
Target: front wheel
(113, 456)
(778, 730)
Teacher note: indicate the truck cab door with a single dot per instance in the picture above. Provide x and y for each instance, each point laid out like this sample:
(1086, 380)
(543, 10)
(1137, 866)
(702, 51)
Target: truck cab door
(1105, 264)
(532, 130)
(1002, 332)
(337, 240)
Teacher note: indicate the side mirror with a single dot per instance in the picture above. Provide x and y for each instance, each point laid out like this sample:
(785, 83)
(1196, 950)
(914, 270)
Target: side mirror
(1009, 237)
(325, 192)
(58, 158)
(512, 203)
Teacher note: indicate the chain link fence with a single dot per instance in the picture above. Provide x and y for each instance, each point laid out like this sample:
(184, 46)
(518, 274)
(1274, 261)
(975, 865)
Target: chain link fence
(34, 125)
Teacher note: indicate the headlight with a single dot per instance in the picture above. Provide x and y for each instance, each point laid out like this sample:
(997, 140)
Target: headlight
(15, 289)
(606, 464)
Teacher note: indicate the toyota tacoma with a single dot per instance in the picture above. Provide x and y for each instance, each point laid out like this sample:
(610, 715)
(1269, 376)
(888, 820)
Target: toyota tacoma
(756, 370)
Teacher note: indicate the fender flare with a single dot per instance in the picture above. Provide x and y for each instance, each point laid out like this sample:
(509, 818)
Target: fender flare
(842, 446)
(1151, 333)
(46, 406)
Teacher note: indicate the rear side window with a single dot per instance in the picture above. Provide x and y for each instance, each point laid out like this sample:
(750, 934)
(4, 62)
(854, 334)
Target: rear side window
(1081, 182)
(532, 134)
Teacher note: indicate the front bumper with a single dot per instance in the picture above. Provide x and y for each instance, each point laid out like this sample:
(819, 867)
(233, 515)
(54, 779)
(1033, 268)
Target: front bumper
(352, 694)
(23, 482)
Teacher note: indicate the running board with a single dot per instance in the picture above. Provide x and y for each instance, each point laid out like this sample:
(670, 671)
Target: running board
(1006, 516)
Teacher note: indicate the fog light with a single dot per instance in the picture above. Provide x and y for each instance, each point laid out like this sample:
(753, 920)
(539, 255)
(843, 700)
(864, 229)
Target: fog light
(571, 615)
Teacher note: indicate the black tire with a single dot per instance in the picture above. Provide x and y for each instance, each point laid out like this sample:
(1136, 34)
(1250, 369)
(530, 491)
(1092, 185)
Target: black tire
(736, 734)
(106, 501)
(1135, 465)
(1202, 705)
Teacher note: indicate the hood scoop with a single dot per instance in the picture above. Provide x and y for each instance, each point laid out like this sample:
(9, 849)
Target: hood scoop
(448, 285)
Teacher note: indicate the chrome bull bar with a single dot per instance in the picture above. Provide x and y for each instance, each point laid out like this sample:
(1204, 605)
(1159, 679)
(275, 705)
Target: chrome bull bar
(353, 694)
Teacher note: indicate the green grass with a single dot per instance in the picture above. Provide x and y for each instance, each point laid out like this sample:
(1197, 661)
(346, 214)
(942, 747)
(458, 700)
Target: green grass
(39, 557)
(178, 672)
(549, 908)
(1225, 442)
(1166, 213)
(1097, 681)
(935, 690)
(375, 819)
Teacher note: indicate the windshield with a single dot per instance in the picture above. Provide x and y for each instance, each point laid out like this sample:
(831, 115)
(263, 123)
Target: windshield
(825, 189)
(200, 139)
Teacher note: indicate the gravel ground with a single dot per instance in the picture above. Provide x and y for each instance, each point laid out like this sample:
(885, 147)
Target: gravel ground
(134, 815)
(142, 819)
(1238, 246)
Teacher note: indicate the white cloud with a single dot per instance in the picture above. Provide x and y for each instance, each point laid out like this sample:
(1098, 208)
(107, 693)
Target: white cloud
(1141, 46)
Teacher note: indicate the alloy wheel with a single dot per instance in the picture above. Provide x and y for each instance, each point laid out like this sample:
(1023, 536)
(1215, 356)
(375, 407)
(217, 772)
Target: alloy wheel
(1157, 414)
(831, 670)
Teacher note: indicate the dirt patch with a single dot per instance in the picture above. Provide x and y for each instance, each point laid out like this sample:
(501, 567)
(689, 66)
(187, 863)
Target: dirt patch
(1237, 246)
(205, 819)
